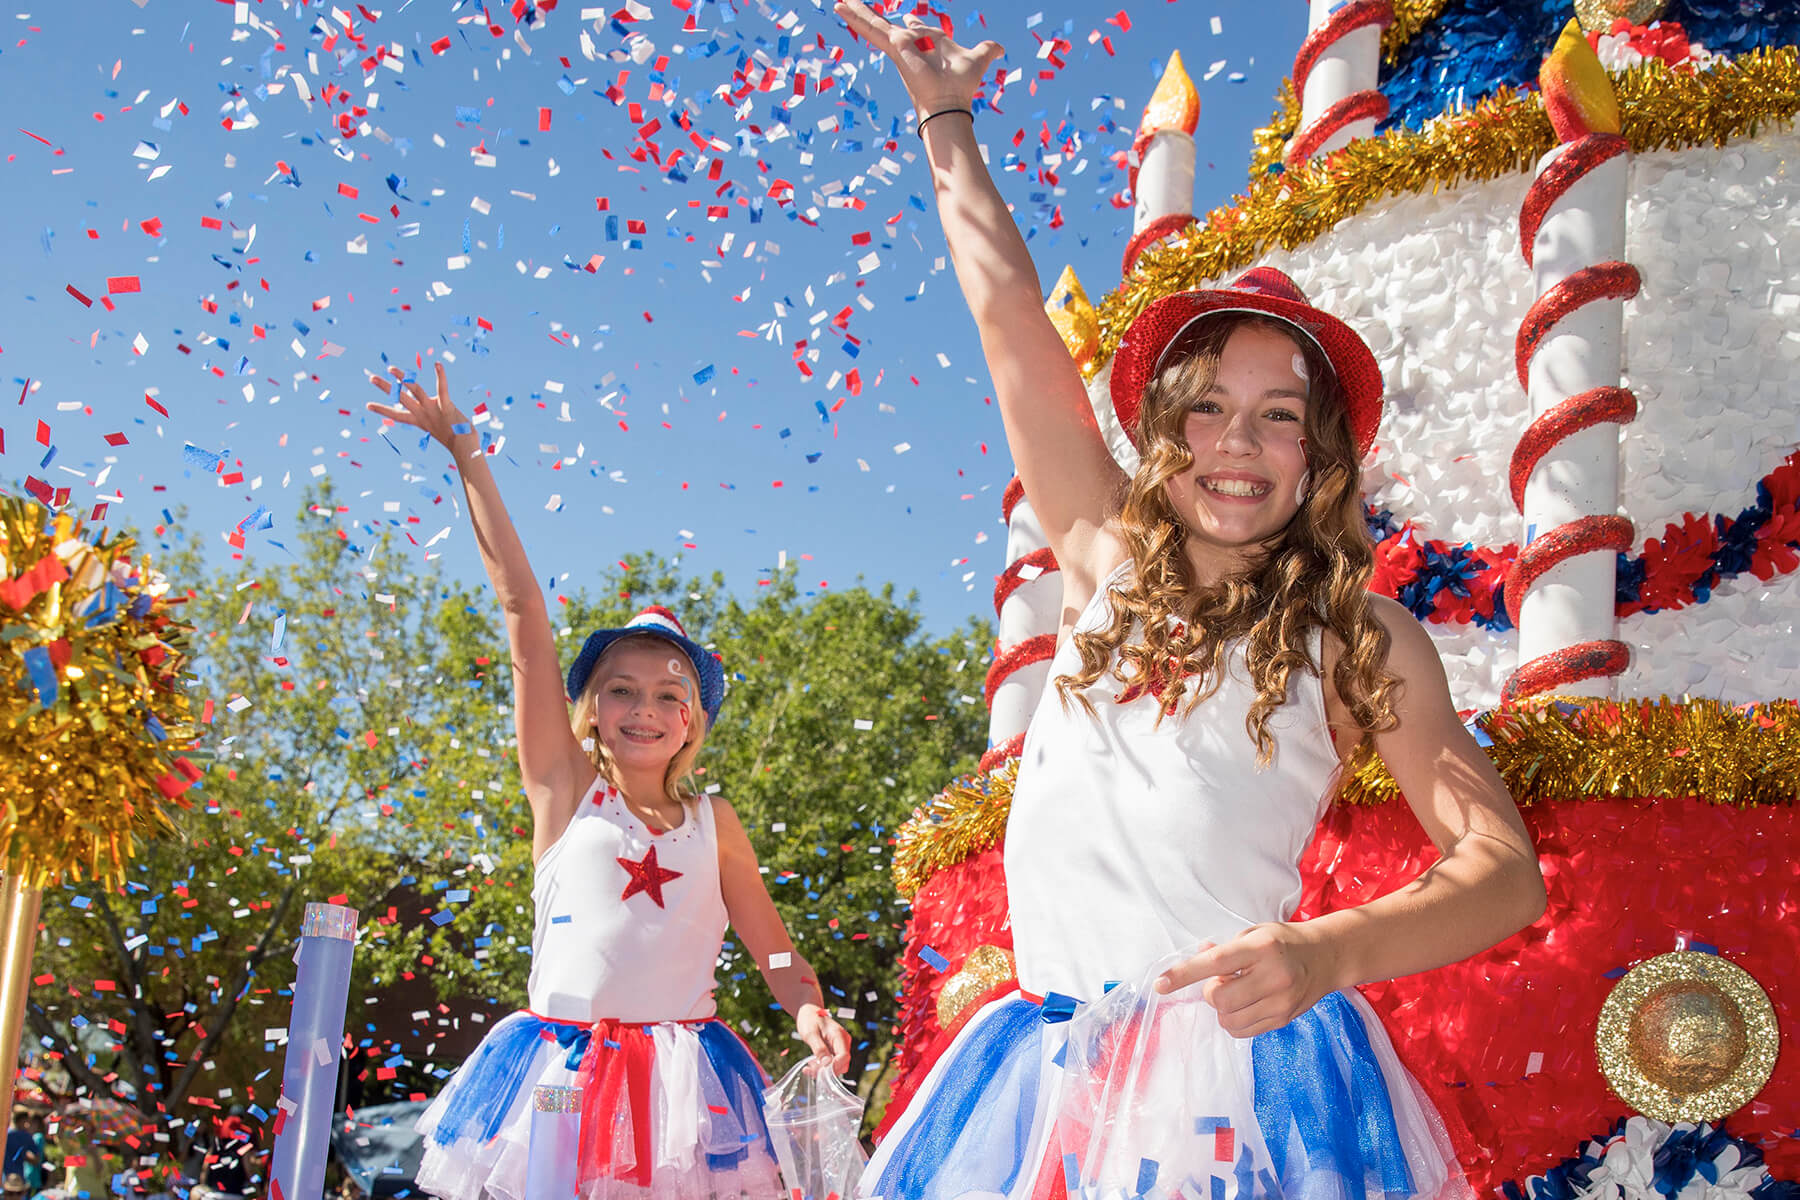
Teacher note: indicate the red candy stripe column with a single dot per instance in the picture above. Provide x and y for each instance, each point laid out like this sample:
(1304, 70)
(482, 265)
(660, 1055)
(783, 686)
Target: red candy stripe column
(1565, 469)
(1335, 76)
(1027, 600)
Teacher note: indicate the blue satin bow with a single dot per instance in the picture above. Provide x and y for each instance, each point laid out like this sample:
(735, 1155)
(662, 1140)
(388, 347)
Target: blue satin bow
(574, 1039)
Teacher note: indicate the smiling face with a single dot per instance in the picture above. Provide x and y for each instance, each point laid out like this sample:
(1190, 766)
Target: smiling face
(643, 695)
(1244, 427)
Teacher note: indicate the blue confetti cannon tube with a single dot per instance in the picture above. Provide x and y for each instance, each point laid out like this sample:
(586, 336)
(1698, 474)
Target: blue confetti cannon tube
(555, 1148)
(315, 1044)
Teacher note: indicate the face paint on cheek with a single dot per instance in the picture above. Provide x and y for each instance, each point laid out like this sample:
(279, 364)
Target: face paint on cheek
(1300, 367)
(1306, 475)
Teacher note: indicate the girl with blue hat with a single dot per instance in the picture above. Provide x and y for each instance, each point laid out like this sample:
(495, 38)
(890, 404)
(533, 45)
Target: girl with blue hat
(636, 880)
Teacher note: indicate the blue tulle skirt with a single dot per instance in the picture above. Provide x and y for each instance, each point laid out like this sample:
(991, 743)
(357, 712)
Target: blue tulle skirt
(667, 1111)
(1144, 1095)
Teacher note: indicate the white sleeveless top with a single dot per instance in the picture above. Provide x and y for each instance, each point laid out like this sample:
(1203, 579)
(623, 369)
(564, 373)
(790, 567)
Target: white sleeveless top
(1128, 841)
(597, 952)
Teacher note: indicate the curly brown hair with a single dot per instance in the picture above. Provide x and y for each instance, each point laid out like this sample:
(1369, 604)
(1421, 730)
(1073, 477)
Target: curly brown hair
(1315, 572)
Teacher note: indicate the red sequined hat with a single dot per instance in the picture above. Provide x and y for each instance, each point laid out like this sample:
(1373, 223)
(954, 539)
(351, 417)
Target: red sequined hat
(1261, 290)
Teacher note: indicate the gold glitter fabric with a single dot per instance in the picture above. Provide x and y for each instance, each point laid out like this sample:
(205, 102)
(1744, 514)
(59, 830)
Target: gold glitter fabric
(95, 721)
(986, 968)
(1504, 134)
(1597, 16)
(1687, 1037)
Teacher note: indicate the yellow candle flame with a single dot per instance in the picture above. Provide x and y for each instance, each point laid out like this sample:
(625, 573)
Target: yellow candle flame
(1074, 317)
(1174, 105)
(1578, 93)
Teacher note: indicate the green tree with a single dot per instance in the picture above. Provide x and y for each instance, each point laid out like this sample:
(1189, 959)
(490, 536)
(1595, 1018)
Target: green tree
(364, 754)
(360, 757)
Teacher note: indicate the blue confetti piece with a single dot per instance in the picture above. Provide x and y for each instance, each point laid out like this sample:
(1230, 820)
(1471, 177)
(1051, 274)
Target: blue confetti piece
(43, 674)
(1148, 1169)
(1071, 1172)
(704, 374)
(562, 920)
(1218, 1188)
(442, 917)
(933, 959)
(194, 456)
(1211, 1124)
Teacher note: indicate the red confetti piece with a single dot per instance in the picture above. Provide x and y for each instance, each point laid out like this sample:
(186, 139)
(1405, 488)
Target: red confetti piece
(117, 284)
(73, 291)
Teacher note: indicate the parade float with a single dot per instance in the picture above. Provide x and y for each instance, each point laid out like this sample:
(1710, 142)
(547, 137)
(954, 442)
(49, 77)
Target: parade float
(1575, 253)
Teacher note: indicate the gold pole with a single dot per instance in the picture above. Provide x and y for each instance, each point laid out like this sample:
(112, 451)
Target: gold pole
(18, 937)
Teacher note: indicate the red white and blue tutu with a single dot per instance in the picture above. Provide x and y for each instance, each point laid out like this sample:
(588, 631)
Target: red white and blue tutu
(669, 1111)
(1140, 1095)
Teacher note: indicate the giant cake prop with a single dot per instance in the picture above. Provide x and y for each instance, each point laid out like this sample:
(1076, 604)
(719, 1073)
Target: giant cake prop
(1575, 251)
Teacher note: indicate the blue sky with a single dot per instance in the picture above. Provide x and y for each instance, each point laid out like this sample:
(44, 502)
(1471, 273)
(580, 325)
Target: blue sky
(653, 401)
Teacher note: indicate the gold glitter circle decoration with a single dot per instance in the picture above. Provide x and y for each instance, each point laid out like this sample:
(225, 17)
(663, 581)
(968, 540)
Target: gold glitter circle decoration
(1687, 1037)
(986, 968)
(1597, 16)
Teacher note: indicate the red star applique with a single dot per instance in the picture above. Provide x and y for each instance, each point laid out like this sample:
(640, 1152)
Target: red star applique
(646, 877)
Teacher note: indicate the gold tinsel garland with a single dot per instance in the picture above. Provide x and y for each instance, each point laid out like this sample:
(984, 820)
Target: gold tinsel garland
(1271, 140)
(960, 822)
(94, 721)
(1269, 144)
(1410, 16)
(1502, 135)
(1545, 749)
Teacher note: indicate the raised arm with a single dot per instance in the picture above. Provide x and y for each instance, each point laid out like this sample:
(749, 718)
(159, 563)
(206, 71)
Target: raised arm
(753, 915)
(555, 770)
(1062, 459)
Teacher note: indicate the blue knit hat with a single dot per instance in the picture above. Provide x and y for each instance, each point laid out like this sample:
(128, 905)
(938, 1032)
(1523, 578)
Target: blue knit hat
(656, 621)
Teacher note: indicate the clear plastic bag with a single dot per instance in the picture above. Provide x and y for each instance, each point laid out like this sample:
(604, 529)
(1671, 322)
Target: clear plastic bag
(813, 1121)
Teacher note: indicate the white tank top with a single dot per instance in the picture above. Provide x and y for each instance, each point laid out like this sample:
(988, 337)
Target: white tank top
(1128, 841)
(598, 952)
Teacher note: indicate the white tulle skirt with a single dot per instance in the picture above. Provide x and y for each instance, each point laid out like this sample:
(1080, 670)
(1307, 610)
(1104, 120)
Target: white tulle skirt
(1144, 1095)
(669, 1111)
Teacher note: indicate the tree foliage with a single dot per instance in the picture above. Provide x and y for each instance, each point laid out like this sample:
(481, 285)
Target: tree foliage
(364, 756)
(357, 736)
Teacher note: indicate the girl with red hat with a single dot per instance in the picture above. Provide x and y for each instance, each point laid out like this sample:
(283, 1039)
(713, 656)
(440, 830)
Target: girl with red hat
(635, 881)
(1174, 1032)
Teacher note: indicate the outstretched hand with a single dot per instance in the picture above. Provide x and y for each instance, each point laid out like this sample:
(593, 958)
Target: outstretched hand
(824, 1036)
(1259, 980)
(939, 74)
(436, 414)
